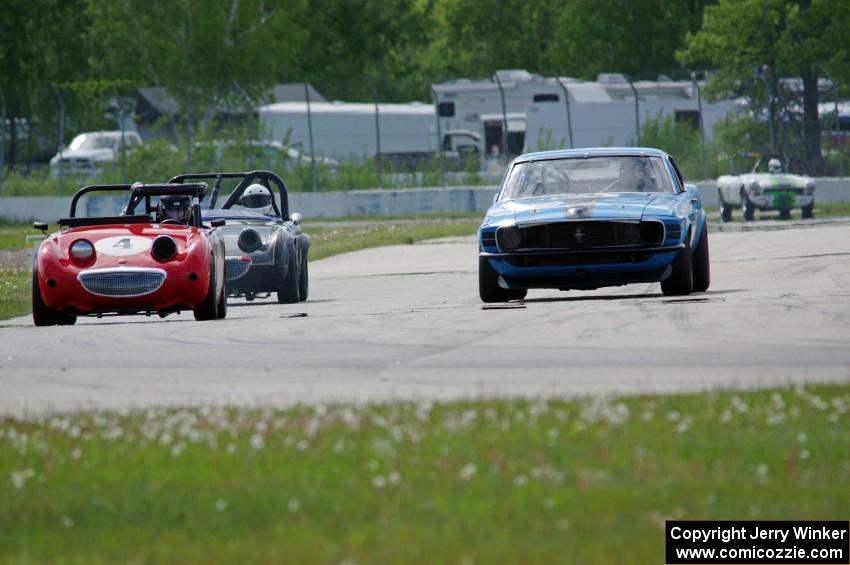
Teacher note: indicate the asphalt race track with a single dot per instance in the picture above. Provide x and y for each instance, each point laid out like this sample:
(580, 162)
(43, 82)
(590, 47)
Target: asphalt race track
(406, 322)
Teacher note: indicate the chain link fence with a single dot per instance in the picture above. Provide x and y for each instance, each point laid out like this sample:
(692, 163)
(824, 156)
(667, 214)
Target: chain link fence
(53, 138)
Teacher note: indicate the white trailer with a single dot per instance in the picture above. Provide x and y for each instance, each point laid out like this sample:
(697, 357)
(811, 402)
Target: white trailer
(604, 114)
(476, 105)
(347, 131)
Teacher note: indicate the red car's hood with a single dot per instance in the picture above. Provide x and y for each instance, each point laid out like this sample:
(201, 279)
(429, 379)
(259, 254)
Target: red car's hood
(123, 245)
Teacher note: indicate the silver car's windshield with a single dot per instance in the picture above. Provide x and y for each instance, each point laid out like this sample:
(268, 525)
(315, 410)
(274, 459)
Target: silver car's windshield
(93, 142)
(589, 175)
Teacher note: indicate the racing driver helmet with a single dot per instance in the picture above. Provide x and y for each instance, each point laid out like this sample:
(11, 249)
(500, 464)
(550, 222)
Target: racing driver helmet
(258, 198)
(774, 166)
(174, 207)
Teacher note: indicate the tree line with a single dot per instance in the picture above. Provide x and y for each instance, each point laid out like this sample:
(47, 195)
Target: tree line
(394, 49)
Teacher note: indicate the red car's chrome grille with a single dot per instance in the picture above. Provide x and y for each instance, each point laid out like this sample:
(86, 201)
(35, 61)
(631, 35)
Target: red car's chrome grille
(122, 282)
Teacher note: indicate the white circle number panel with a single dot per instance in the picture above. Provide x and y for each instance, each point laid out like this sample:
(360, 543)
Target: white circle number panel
(123, 245)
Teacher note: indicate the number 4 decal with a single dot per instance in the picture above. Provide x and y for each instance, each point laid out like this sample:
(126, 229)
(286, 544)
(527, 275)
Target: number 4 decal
(123, 243)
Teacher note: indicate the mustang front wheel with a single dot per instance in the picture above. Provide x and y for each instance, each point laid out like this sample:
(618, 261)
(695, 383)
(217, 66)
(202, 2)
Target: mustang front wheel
(488, 285)
(681, 280)
(702, 270)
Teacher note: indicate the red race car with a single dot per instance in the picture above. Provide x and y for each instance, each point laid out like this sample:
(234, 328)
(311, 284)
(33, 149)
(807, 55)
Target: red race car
(161, 260)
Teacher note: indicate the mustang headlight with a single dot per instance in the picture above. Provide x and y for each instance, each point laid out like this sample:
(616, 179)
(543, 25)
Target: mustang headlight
(508, 238)
(81, 252)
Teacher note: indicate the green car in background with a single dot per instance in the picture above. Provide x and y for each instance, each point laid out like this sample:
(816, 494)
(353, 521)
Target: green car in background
(767, 187)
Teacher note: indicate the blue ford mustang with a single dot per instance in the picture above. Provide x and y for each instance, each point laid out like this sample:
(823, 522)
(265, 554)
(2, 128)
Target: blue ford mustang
(588, 218)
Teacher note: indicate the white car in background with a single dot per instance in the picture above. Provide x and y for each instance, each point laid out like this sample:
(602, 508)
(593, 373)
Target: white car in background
(89, 152)
(766, 188)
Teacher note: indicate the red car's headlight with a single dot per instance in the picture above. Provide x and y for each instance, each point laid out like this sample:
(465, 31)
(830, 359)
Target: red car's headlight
(81, 252)
(164, 248)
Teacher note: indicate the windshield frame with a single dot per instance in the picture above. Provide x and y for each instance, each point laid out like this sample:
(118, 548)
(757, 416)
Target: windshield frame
(662, 167)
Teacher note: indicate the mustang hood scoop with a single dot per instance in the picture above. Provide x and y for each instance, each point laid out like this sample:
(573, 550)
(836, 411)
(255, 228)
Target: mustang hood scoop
(620, 206)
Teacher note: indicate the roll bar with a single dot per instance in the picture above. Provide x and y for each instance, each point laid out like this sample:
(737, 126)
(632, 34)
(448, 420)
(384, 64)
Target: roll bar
(94, 188)
(266, 178)
(139, 192)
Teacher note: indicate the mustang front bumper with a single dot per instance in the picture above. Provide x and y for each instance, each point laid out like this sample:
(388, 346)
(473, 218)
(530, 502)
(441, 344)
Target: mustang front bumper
(583, 268)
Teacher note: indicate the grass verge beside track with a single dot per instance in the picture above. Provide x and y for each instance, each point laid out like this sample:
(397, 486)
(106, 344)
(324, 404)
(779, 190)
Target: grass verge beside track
(14, 292)
(586, 481)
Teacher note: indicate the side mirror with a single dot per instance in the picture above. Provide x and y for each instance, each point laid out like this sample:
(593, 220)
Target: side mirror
(219, 222)
(295, 218)
(40, 226)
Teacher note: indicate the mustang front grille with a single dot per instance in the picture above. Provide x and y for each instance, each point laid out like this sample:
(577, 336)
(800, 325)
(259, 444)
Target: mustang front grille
(589, 234)
(235, 268)
(122, 282)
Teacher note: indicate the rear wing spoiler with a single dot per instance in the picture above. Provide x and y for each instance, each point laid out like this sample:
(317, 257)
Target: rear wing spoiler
(266, 178)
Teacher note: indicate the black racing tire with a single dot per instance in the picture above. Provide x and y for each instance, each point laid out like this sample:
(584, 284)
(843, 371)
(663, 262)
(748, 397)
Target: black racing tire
(702, 267)
(42, 314)
(208, 309)
(725, 209)
(63, 319)
(808, 212)
(747, 207)
(681, 280)
(221, 309)
(488, 285)
(303, 282)
(288, 293)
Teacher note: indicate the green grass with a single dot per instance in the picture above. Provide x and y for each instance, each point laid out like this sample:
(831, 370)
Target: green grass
(13, 234)
(14, 292)
(588, 481)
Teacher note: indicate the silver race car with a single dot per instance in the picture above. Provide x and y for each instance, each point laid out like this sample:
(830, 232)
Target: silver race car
(266, 249)
(767, 187)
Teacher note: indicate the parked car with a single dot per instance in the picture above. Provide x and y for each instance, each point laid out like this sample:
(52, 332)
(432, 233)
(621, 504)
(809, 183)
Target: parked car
(266, 246)
(89, 152)
(263, 153)
(767, 187)
(589, 218)
(160, 260)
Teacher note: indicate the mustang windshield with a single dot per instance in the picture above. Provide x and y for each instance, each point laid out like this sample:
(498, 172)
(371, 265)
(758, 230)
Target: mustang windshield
(591, 175)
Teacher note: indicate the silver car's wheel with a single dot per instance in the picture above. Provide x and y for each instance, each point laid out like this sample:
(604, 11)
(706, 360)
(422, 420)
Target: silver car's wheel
(725, 209)
(288, 293)
(747, 207)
